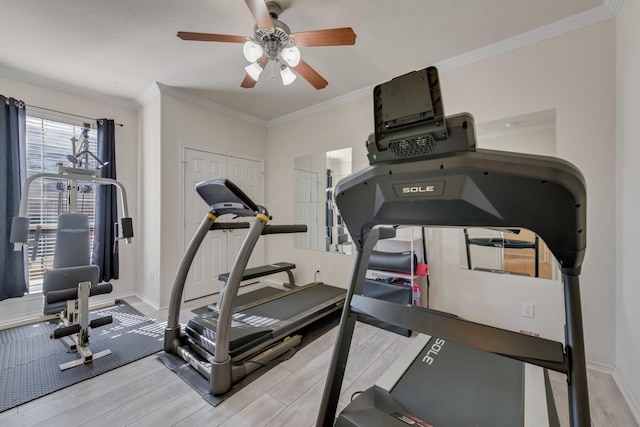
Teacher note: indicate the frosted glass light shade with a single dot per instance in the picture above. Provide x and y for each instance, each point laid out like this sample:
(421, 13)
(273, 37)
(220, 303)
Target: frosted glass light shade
(254, 70)
(291, 55)
(252, 51)
(287, 75)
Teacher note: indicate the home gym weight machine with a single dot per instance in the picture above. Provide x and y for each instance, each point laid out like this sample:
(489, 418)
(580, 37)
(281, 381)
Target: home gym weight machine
(72, 280)
(228, 343)
(425, 170)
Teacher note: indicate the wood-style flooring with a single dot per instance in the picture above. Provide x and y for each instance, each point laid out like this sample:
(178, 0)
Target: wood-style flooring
(145, 393)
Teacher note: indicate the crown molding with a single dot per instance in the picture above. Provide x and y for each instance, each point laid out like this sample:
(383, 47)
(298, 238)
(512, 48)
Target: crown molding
(194, 99)
(20, 75)
(613, 6)
(589, 17)
(322, 106)
(608, 10)
(148, 95)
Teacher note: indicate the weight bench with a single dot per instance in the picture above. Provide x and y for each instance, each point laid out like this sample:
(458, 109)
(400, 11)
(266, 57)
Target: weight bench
(266, 270)
(255, 272)
(68, 286)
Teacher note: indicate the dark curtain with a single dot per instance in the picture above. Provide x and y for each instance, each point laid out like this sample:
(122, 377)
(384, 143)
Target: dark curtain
(13, 282)
(105, 244)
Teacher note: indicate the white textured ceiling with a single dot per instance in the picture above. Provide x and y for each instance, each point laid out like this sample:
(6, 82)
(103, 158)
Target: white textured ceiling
(118, 48)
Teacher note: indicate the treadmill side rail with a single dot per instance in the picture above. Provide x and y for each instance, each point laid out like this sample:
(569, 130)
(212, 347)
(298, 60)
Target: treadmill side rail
(518, 346)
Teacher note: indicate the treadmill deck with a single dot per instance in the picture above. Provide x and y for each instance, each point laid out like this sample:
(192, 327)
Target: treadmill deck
(257, 325)
(441, 383)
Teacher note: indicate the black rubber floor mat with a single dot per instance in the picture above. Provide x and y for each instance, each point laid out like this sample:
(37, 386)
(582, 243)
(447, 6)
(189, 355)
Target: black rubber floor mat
(29, 359)
(201, 385)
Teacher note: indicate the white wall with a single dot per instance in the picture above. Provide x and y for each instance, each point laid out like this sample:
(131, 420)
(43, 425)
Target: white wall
(573, 73)
(150, 226)
(627, 373)
(542, 142)
(340, 127)
(126, 160)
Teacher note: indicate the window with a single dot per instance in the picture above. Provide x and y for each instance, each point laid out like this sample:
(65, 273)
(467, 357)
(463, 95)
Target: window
(48, 144)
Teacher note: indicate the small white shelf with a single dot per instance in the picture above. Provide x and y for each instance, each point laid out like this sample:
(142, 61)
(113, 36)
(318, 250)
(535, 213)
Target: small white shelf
(386, 274)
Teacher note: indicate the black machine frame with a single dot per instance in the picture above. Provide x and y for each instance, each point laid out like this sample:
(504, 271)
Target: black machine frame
(444, 181)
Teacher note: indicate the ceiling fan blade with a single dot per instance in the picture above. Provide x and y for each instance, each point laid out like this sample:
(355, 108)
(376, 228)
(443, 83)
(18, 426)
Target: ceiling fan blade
(260, 13)
(248, 81)
(330, 37)
(205, 37)
(310, 75)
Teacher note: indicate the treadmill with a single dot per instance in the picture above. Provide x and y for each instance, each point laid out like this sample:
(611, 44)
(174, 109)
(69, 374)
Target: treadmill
(228, 343)
(425, 170)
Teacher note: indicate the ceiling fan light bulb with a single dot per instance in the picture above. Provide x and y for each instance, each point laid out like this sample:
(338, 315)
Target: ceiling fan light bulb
(291, 55)
(254, 70)
(252, 50)
(287, 75)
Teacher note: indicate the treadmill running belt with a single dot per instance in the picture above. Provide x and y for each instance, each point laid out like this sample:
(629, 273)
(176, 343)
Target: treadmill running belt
(268, 320)
(462, 387)
(293, 303)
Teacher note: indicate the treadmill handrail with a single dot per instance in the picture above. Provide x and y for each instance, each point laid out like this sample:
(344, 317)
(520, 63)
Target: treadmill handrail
(172, 331)
(225, 314)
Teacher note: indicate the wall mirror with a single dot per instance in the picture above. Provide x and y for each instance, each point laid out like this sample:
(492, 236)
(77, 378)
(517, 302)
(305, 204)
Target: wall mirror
(514, 251)
(315, 177)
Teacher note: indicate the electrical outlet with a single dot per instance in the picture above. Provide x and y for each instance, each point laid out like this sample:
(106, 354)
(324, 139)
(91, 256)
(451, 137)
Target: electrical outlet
(319, 268)
(528, 309)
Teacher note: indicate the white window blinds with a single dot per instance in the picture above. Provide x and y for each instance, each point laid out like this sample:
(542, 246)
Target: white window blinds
(48, 143)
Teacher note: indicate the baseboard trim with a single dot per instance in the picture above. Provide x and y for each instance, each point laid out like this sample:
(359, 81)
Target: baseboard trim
(601, 367)
(45, 317)
(633, 404)
(147, 301)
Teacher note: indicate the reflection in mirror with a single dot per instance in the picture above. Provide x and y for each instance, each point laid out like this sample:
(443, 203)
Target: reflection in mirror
(512, 251)
(315, 177)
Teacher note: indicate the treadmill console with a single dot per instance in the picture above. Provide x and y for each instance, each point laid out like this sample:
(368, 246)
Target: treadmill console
(410, 123)
(225, 197)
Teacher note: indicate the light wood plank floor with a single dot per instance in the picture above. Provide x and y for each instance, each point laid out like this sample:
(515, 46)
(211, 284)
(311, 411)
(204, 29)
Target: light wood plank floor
(145, 393)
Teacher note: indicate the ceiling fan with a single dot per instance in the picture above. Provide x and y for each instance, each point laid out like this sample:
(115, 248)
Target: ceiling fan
(274, 41)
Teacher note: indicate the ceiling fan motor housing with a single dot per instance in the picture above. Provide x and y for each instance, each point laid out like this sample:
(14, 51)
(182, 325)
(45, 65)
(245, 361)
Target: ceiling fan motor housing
(273, 41)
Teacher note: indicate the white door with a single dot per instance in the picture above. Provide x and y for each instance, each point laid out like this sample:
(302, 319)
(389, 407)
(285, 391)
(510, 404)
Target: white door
(247, 175)
(218, 250)
(305, 209)
(211, 258)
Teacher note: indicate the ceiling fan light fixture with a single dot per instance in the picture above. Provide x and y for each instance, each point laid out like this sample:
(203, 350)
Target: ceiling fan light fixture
(291, 55)
(252, 51)
(254, 70)
(287, 75)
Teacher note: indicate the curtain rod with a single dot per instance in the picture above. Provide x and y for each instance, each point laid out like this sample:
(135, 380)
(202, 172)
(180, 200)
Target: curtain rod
(68, 114)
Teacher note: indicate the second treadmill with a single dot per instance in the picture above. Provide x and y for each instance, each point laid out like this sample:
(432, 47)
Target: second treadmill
(229, 343)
